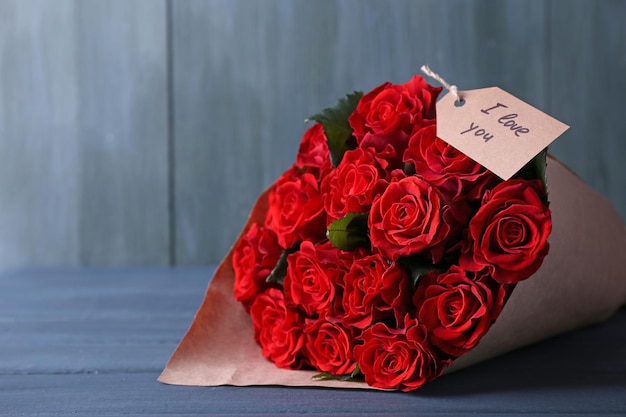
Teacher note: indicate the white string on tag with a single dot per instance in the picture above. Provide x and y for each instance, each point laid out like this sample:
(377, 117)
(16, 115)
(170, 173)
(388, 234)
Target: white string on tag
(451, 88)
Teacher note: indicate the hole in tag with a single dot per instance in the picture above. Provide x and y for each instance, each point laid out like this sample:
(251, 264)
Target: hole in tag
(459, 103)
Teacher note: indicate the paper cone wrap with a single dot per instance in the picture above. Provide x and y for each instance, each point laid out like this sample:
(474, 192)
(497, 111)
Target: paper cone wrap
(582, 281)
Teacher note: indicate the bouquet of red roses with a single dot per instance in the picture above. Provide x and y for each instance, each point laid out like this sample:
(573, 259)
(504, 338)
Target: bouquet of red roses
(385, 252)
(385, 255)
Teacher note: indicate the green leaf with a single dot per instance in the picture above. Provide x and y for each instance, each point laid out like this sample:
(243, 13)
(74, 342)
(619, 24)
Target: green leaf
(536, 170)
(325, 376)
(334, 120)
(349, 232)
(355, 376)
(418, 272)
(418, 267)
(280, 270)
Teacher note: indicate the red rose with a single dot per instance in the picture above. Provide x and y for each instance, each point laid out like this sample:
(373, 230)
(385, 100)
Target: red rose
(313, 154)
(509, 233)
(391, 108)
(409, 218)
(312, 275)
(388, 147)
(374, 290)
(278, 329)
(254, 257)
(457, 310)
(398, 358)
(329, 347)
(439, 163)
(345, 259)
(353, 185)
(295, 211)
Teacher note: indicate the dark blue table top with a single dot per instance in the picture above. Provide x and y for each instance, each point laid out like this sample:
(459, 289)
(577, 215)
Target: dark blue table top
(93, 341)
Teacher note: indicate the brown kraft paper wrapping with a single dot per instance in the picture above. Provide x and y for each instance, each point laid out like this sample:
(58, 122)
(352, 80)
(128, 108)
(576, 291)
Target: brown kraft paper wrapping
(582, 281)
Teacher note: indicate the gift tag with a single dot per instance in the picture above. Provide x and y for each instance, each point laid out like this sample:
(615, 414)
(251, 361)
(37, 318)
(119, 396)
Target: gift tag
(496, 129)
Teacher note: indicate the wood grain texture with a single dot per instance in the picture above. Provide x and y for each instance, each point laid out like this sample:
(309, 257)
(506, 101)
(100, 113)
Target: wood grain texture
(83, 133)
(92, 342)
(69, 321)
(122, 120)
(138, 394)
(587, 89)
(39, 161)
(243, 67)
(86, 113)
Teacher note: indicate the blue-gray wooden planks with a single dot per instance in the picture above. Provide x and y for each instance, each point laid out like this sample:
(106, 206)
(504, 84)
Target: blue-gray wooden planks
(91, 342)
(122, 132)
(38, 134)
(140, 133)
(586, 88)
(83, 133)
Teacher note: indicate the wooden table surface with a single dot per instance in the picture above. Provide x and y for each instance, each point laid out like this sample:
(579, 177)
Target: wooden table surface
(93, 341)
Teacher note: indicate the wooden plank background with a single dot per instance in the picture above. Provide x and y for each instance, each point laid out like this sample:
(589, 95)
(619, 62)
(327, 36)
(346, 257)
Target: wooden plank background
(92, 342)
(140, 132)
